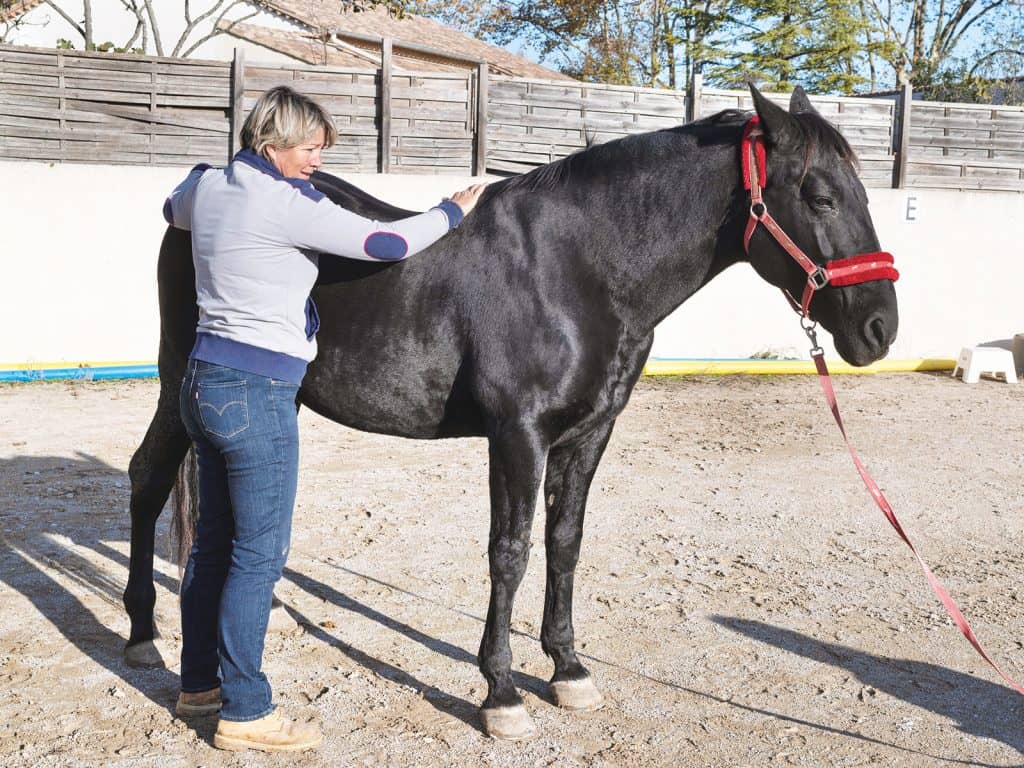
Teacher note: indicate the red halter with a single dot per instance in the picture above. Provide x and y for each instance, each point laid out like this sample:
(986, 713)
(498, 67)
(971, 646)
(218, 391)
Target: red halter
(862, 268)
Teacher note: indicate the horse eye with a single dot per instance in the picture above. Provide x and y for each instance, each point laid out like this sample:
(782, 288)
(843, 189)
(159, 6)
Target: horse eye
(821, 201)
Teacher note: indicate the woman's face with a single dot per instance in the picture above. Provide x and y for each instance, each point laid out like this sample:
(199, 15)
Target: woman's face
(300, 161)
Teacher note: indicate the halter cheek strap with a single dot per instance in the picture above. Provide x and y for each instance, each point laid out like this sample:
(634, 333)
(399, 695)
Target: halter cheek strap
(862, 268)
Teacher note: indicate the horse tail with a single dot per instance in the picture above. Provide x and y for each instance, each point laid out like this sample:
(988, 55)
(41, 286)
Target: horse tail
(185, 508)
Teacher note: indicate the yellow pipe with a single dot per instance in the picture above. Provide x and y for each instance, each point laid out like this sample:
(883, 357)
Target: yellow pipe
(70, 364)
(787, 367)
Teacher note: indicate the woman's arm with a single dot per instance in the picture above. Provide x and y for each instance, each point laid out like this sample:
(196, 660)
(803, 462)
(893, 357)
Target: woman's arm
(329, 228)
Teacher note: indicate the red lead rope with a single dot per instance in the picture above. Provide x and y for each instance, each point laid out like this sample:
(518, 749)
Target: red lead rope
(876, 493)
(849, 271)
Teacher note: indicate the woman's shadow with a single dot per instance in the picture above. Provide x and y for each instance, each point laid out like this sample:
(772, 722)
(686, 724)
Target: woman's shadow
(980, 708)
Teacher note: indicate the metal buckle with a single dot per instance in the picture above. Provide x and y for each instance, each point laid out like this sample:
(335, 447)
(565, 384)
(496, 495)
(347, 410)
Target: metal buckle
(818, 278)
(810, 328)
(755, 214)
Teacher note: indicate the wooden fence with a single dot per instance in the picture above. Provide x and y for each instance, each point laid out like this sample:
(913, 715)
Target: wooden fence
(70, 106)
(965, 146)
(87, 107)
(532, 122)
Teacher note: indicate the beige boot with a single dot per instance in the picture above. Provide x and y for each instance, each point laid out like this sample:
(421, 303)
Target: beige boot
(273, 733)
(196, 704)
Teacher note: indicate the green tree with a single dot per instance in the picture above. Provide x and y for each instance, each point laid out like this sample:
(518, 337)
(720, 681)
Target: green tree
(782, 43)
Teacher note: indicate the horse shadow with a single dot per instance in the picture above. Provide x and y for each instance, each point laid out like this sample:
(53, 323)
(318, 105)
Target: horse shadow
(523, 681)
(64, 507)
(968, 701)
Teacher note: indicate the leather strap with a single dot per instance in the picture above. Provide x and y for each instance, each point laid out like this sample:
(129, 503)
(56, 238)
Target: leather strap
(876, 493)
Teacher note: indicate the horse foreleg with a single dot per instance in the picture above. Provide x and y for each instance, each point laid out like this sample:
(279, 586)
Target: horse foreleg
(516, 465)
(570, 471)
(152, 471)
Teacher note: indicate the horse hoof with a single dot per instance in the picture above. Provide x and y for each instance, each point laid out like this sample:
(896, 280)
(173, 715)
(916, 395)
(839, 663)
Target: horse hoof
(579, 695)
(508, 723)
(144, 654)
(280, 622)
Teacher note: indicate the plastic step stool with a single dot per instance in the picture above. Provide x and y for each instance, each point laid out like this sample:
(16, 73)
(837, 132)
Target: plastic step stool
(974, 361)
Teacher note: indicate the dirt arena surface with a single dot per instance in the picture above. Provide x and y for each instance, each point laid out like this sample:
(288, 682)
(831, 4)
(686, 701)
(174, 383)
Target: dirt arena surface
(740, 601)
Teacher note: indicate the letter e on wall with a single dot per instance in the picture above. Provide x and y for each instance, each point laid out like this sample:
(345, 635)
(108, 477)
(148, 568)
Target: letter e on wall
(911, 211)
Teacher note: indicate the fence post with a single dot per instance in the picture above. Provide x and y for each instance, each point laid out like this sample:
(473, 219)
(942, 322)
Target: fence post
(902, 137)
(237, 92)
(63, 103)
(694, 96)
(480, 139)
(384, 165)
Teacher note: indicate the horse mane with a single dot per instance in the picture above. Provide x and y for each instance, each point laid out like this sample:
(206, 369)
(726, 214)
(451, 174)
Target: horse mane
(583, 162)
(714, 129)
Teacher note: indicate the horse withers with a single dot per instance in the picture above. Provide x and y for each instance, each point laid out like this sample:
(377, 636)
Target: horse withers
(530, 325)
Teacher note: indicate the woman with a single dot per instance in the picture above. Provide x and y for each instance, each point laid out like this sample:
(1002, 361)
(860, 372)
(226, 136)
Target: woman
(257, 227)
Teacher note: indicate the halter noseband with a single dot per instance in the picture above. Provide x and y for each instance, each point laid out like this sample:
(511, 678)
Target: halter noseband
(861, 268)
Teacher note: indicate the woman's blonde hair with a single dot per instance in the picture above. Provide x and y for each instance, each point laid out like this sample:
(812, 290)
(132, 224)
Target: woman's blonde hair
(285, 118)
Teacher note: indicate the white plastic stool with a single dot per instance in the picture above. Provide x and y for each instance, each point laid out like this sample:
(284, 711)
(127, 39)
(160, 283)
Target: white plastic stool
(974, 361)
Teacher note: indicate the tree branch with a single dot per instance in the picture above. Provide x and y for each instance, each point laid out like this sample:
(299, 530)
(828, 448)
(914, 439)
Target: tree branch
(154, 27)
(140, 23)
(67, 18)
(90, 42)
(217, 30)
(971, 21)
(191, 25)
(992, 54)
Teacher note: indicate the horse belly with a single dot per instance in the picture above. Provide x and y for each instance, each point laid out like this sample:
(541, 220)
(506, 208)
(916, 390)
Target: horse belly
(394, 391)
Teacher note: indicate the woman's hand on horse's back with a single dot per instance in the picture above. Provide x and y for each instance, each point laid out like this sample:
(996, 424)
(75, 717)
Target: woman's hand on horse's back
(466, 199)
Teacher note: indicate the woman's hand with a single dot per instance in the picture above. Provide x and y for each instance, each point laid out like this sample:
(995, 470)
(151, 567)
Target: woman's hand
(466, 199)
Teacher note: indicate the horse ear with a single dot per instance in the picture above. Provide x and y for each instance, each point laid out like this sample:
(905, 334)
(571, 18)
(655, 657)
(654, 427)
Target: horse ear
(780, 128)
(799, 102)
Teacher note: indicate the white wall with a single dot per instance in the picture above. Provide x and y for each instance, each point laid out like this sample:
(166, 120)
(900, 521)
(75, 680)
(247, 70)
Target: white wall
(78, 247)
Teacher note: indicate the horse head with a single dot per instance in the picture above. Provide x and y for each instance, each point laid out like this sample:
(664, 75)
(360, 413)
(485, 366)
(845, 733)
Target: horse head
(814, 194)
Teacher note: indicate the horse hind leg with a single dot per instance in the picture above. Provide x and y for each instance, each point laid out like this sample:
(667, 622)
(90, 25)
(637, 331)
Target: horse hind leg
(569, 473)
(152, 472)
(516, 464)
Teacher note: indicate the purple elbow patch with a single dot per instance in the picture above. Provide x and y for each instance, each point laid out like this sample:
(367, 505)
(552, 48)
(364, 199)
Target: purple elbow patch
(386, 246)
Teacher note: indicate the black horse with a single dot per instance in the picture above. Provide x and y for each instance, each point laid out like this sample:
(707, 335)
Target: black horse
(530, 325)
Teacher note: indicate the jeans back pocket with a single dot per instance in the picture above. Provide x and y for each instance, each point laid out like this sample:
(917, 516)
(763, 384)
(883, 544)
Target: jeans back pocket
(223, 408)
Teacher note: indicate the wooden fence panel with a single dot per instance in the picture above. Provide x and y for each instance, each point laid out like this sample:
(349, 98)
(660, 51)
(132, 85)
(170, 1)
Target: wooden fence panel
(533, 122)
(966, 146)
(432, 122)
(71, 106)
(350, 95)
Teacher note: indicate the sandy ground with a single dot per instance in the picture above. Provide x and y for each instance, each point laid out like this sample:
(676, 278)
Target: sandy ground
(739, 600)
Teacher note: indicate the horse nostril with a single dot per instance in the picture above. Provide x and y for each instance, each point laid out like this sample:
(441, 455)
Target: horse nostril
(874, 330)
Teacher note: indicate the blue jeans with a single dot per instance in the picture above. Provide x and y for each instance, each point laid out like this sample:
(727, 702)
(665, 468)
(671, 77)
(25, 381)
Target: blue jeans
(245, 431)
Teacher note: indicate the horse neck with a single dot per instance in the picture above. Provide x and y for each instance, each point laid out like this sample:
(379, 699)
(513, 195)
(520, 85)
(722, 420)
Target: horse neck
(667, 250)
